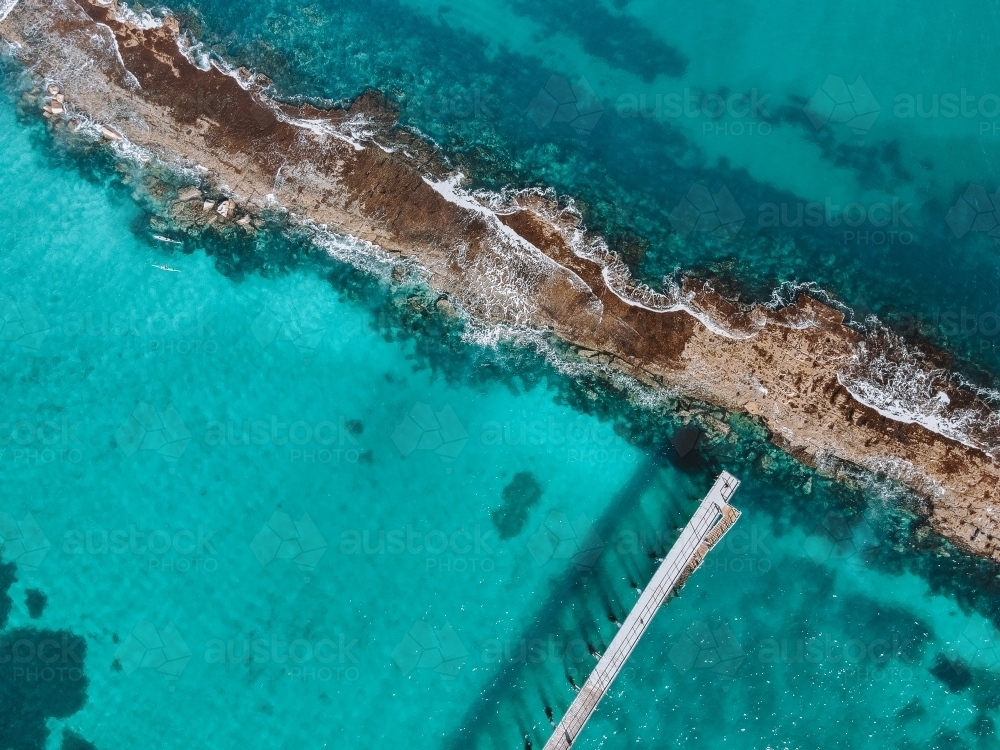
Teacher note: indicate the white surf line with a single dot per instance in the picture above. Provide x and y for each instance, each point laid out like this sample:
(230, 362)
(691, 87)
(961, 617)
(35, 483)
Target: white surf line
(449, 190)
(6, 6)
(896, 411)
(894, 408)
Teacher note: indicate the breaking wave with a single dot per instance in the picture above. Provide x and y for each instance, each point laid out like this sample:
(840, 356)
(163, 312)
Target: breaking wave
(6, 6)
(896, 381)
(507, 275)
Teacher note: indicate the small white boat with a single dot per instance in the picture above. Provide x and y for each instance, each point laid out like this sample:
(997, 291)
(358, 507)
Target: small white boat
(167, 268)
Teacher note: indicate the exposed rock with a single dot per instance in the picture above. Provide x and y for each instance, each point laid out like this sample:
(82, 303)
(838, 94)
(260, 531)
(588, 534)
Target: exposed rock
(554, 277)
(188, 193)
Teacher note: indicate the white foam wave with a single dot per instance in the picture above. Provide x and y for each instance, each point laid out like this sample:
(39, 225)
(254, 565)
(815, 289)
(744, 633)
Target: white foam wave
(905, 473)
(504, 282)
(354, 130)
(492, 335)
(990, 396)
(361, 254)
(194, 51)
(505, 277)
(142, 20)
(618, 279)
(887, 376)
(6, 6)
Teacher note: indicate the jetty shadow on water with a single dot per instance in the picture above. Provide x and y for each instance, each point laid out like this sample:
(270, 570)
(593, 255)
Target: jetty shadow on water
(536, 675)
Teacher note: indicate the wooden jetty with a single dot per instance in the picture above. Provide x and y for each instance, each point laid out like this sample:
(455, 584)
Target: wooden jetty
(710, 522)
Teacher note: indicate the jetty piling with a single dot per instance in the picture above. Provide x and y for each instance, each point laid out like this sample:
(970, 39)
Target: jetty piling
(709, 524)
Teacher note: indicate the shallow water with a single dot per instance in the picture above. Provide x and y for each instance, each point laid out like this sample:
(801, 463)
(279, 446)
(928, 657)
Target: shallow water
(283, 512)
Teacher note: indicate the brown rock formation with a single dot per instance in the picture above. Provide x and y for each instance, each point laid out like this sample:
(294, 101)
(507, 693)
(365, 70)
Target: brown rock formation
(524, 263)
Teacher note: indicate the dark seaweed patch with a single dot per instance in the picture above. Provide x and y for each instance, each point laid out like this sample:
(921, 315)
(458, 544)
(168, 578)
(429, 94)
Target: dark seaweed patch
(983, 726)
(72, 741)
(954, 673)
(35, 600)
(8, 576)
(914, 710)
(947, 739)
(619, 40)
(519, 497)
(42, 679)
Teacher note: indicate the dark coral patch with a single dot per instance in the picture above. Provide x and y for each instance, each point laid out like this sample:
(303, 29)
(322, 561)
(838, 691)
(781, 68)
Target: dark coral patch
(35, 600)
(73, 741)
(954, 673)
(519, 496)
(8, 576)
(41, 678)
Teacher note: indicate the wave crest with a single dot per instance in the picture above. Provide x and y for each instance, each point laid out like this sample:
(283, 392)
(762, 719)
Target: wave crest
(896, 381)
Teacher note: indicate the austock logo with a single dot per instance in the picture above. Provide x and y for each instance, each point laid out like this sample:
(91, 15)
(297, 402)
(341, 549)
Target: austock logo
(701, 211)
(558, 538)
(181, 550)
(574, 104)
(975, 211)
(978, 647)
(304, 332)
(427, 647)
(22, 541)
(150, 430)
(305, 660)
(424, 429)
(714, 650)
(148, 647)
(43, 442)
(40, 658)
(22, 323)
(838, 103)
(281, 538)
(837, 537)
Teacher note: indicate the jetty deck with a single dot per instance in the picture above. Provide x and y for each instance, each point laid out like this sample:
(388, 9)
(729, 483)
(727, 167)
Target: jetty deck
(710, 522)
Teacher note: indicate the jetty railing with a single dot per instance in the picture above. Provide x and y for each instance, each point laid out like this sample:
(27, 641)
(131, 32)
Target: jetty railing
(710, 522)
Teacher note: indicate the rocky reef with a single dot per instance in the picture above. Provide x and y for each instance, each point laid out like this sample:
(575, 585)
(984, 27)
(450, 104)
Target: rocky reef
(826, 392)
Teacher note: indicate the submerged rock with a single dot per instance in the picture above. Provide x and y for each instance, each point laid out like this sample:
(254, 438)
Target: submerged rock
(59, 690)
(523, 493)
(35, 600)
(72, 741)
(42, 674)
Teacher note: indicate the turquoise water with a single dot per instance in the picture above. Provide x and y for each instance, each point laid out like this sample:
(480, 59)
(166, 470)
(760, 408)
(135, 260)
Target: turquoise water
(725, 110)
(286, 506)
